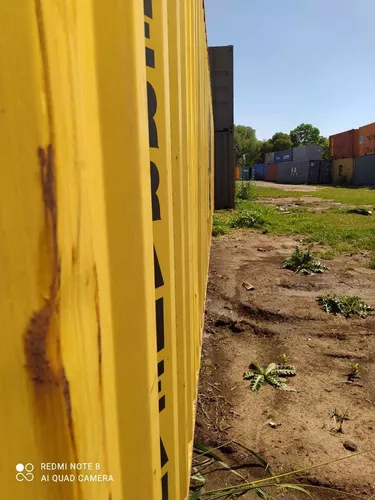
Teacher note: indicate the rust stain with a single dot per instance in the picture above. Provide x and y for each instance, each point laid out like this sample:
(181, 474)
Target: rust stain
(74, 255)
(42, 336)
(36, 337)
(69, 412)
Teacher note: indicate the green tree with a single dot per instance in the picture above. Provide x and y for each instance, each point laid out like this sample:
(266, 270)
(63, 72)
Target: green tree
(305, 135)
(246, 144)
(280, 141)
(323, 141)
(265, 147)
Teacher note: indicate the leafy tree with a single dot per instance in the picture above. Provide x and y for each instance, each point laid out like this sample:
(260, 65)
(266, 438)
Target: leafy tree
(246, 144)
(323, 141)
(280, 141)
(305, 135)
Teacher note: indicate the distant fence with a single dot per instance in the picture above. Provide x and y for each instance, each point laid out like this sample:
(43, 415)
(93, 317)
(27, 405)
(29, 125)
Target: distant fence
(105, 215)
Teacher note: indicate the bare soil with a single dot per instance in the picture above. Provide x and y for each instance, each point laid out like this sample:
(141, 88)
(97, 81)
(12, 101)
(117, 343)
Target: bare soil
(289, 187)
(281, 315)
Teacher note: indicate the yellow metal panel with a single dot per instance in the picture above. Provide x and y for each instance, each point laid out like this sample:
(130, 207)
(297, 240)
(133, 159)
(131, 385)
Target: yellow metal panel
(156, 32)
(343, 171)
(79, 342)
(179, 220)
(124, 125)
(186, 157)
(103, 276)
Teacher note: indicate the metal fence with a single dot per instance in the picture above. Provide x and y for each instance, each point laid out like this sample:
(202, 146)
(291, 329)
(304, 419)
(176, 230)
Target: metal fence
(107, 151)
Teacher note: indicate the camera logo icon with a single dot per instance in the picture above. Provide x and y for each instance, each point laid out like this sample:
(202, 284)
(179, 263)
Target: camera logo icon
(24, 472)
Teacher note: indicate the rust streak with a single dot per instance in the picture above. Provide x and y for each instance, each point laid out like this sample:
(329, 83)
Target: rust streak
(36, 337)
(74, 255)
(69, 412)
(42, 336)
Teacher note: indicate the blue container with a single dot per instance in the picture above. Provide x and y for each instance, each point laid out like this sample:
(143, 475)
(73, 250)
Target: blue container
(283, 156)
(245, 173)
(259, 171)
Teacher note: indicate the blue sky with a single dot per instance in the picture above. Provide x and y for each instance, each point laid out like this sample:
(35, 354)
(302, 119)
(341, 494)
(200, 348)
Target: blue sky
(310, 61)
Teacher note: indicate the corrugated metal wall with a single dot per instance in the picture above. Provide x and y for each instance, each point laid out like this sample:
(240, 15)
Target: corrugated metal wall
(259, 171)
(304, 153)
(221, 70)
(271, 172)
(320, 172)
(364, 170)
(221, 64)
(343, 171)
(283, 156)
(367, 139)
(269, 158)
(293, 172)
(344, 145)
(245, 173)
(224, 170)
(107, 199)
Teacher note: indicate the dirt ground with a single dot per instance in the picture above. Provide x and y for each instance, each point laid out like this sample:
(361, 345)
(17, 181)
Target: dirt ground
(281, 315)
(288, 187)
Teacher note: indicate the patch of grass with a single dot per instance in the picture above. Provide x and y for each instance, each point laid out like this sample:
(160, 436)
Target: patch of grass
(343, 233)
(247, 219)
(244, 190)
(272, 192)
(371, 264)
(218, 226)
(347, 305)
(303, 262)
(327, 254)
(348, 196)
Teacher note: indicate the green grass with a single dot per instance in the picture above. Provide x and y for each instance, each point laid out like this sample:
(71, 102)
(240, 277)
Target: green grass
(244, 190)
(247, 219)
(339, 231)
(342, 232)
(219, 227)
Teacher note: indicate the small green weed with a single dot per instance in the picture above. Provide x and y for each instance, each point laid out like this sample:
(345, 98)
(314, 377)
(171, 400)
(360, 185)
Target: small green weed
(247, 219)
(284, 358)
(218, 226)
(354, 373)
(243, 190)
(303, 262)
(274, 375)
(340, 418)
(347, 305)
(371, 264)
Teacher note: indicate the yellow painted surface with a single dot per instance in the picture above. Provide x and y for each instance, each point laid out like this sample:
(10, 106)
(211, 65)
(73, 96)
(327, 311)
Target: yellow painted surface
(343, 171)
(101, 340)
